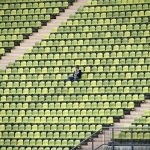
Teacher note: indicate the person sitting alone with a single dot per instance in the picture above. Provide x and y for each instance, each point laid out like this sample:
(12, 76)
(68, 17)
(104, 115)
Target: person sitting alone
(77, 74)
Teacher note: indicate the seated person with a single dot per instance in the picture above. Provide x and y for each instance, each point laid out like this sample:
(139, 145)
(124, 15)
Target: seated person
(76, 75)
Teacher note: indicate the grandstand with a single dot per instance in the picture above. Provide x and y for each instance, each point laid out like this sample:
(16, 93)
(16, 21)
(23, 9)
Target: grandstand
(109, 40)
(19, 19)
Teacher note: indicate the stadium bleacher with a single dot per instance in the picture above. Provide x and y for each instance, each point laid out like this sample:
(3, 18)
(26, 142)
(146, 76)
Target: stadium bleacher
(19, 19)
(109, 40)
(138, 133)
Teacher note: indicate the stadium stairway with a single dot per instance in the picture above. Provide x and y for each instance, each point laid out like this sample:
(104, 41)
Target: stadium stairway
(124, 122)
(26, 44)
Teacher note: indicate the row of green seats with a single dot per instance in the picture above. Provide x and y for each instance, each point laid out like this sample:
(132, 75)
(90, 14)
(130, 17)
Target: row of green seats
(33, 148)
(43, 74)
(38, 142)
(33, 5)
(71, 90)
(110, 15)
(23, 30)
(107, 21)
(93, 35)
(112, 108)
(121, 48)
(53, 3)
(31, 11)
(110, 27)
(116, 7)
(14, 19)
(126, 68)
(48, 127)
(95, 76)
(42, 62)
(46, 135)
(76, 108)
(95, 71)
(113, 55)
(40, 56)
(44, 67)
(47, 67)
(84, 112)
(94, 38)
(58, 120)
(103, 39)
(72, 29)
(73, 97)
(26, 1)
(106, 18)
(142, 120)
(96, 43)
(140, 127)
(123, 64)
(105, 82)
(116, 13)
(61, 71)
(109, 2)
(61, 106)
(134, 136)
(21, 24)
(7, 44)
(11, 37)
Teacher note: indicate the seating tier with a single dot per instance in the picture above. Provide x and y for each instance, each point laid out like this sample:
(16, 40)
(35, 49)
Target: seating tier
(42, 110)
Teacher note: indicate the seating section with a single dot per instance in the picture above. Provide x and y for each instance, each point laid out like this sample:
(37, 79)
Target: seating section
(139, 132)
(19, 19)
(109, 40)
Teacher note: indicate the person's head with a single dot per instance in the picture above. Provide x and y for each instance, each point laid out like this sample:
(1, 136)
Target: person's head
(77, 67)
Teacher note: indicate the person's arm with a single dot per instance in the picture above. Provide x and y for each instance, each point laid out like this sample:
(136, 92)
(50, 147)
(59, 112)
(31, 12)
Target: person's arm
(79, 74)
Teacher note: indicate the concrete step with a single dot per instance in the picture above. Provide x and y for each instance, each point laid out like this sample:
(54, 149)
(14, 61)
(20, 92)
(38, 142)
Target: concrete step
(121, 125)
(131, 117)
(126, 120)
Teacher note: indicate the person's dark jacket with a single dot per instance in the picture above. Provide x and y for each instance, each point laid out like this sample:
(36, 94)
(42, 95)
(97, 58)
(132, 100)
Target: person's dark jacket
(79, 75)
